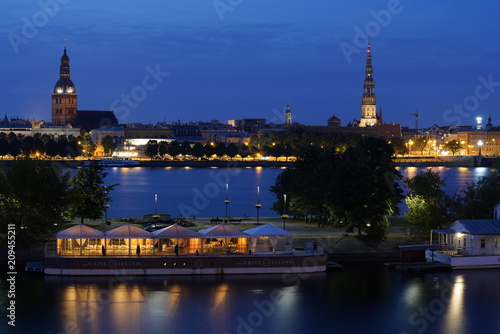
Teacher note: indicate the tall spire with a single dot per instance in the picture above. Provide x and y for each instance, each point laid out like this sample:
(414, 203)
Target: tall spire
(368, 101)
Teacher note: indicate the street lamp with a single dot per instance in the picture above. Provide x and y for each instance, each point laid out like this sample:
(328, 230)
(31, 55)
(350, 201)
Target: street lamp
(258, 205)
(226, 201)
(156, 204)
(284, 216)
(480, 144)
(409, 147)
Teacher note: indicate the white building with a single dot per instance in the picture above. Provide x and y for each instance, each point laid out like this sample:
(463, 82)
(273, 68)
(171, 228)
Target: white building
(468, 244)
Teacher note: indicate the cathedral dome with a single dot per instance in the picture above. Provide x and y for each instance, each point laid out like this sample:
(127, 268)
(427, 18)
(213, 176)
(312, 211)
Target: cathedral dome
(64, 85)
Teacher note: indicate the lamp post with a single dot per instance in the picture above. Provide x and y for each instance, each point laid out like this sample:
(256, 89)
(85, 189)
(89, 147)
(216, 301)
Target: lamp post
(258, 205)
(409, 147)
(480, 144)
(226, 201)
(284, 216)
(156, 204)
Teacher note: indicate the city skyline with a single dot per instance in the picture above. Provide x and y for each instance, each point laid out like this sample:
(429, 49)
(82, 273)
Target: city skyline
(237, 59)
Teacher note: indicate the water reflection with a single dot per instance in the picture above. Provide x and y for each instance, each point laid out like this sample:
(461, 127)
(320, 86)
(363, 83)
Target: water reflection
(454, 317)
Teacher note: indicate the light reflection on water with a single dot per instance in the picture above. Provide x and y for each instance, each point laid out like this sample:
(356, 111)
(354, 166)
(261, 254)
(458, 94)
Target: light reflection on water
(359, 299)
(201, 191)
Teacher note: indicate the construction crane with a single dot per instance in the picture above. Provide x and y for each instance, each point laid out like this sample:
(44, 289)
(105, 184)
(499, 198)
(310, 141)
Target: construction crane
(417, 115)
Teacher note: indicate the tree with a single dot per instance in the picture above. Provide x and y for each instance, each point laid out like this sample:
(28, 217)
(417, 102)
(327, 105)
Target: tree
(198, 151)
(108, 145)
(427, 202)
(453, 145)
(209, 149)
(231, 150)
(174, 149)
(89, 195)
(220, 150)
(243, 151)
(357, 187)
(151, 149)
(33, 196)
(478, 199)
(185, 148)
(28, 144)
(399, 146)
(4, 147)
(15, 147)
(420, 144)
(370, 188)
(51, 147)
(63, 146)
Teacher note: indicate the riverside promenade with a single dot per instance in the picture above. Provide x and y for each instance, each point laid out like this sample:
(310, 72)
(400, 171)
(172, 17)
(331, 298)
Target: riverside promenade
(341, 247)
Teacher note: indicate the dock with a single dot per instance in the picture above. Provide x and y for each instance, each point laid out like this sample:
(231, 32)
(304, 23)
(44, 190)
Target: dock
(34, 266)
(418, 266)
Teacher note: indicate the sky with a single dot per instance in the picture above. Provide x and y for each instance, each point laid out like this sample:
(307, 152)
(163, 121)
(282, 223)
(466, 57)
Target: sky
(170, 60)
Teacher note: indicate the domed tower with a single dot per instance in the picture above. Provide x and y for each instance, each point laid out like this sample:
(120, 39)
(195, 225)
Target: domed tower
(64, 97)
(368, 101)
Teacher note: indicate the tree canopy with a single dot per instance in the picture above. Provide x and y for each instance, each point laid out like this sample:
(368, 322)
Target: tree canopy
(33, 196)
(356, 187)
(89, 195)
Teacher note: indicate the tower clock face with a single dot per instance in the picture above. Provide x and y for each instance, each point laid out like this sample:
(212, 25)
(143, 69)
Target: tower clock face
(59, 90)
(70, 89)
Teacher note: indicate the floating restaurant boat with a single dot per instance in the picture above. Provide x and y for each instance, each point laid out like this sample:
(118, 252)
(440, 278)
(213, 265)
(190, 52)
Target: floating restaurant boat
(176, 250)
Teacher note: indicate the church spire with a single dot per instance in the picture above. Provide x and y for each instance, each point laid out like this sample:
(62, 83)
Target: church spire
(368, 101)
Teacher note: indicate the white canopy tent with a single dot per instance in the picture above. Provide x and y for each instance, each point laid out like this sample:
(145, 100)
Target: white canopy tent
(176, 239)
(222, 239)
(126, 238)
(268, 238)
(79, 240)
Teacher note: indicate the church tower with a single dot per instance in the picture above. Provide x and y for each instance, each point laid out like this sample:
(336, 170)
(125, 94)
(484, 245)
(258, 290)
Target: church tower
(288, 116)
(64, 97)
(369, 101)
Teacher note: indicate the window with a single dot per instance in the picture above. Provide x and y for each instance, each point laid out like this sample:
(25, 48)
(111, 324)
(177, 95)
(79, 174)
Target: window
(483, 243)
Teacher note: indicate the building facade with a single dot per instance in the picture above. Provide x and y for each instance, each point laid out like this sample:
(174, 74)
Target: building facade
(64, 96)
(369, 100)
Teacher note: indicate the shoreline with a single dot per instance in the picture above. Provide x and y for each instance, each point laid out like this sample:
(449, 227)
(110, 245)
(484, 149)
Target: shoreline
(339, 247)
(416, 161)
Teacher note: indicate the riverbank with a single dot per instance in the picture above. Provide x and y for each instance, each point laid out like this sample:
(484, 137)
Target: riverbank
(341, 247)
(414, 161)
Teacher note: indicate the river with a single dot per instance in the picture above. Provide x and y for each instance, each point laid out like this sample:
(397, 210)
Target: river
(201, 191)
(359, 299)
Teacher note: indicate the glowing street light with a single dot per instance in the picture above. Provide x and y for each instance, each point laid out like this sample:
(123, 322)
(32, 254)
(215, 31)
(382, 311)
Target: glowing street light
(284, 216)
(226, 201)
(480, 144)
(258, 205)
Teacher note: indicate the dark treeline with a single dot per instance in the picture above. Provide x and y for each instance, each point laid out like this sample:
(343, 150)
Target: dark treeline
(269, 144)
(42, 145)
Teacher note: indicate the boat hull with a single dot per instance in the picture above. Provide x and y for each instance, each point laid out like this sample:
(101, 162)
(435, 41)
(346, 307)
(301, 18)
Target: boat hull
(185, 265)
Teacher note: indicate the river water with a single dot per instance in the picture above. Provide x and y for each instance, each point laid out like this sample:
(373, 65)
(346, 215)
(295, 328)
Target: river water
(359, 299)
(201, 191)
(367, 298)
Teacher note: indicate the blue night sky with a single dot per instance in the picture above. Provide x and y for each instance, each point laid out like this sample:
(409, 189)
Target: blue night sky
(233, 59)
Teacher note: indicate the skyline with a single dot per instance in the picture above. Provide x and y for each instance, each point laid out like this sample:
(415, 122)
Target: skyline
(238, 59)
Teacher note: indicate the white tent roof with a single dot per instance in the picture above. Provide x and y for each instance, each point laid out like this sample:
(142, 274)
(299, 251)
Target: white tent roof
(175, 231)
(222, 231)
(265, 230)
(80, 231)
(128, 231)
